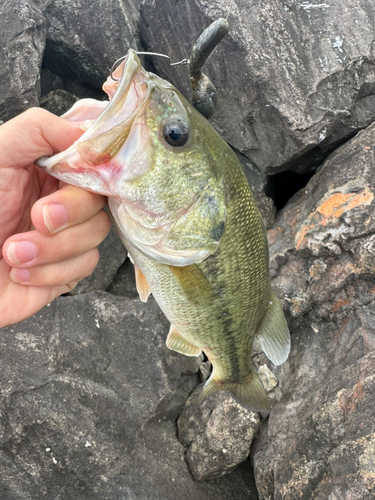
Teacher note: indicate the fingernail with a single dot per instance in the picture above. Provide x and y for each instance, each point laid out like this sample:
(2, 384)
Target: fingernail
(20, 252)
(55, 217)
(19, 275)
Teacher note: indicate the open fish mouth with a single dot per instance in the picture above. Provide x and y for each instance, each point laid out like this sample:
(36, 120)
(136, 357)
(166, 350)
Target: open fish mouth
(91, 162)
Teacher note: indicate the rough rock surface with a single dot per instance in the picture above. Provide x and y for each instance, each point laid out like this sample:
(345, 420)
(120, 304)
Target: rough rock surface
(22, 41)
(50, 82)
(58, 101)
(88, 412)
(217, 433)
(123, 283)
(319, 441)
(85, 38)
(293, 76)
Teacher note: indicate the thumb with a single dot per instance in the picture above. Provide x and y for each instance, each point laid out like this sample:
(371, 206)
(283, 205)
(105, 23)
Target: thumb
(33, 134)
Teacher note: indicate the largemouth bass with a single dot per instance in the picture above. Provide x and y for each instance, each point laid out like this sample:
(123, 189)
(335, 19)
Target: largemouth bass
(186, 214)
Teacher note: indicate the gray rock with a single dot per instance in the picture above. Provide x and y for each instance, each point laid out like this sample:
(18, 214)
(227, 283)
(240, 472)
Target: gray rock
(51, 82)
(266, 207)
(112, 255)
(22, 41)
(58, 101)
(123, 283)
(85, 38)
(89, 398)
(258, 179)
(294, 78)
(217, 432)
(319, 441)
(269, 380)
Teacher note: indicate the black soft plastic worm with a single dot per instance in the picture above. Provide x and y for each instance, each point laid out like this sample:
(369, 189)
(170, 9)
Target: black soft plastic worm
(203, 90)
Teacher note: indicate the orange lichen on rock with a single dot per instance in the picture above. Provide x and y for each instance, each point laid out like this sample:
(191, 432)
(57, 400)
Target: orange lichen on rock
(342, 202)
(331, 208)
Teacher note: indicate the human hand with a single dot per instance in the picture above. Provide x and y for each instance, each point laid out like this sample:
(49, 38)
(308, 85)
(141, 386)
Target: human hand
(48, 231)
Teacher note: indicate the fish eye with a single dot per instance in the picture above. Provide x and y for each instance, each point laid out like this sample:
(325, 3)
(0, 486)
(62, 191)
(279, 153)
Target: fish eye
(176, 133)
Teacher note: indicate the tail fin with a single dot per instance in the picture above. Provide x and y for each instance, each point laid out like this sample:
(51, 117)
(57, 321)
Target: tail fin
(248, 392)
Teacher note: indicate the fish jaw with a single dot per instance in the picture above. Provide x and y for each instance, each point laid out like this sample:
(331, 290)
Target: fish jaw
(90, 162)
(165, 198)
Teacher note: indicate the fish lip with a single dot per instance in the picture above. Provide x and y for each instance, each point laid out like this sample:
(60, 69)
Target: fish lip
(89, 152)
(116, 111)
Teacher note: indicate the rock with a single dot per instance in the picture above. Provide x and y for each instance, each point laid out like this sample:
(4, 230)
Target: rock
(266, 207)
(217, 432)
(89, 397)
(294, 78)
(319, 440)
(50, 82)
(268, 379)
(112, 256)
(58, 101)
(23, 34)
(85, 38)
(258, 179)
(123, 283)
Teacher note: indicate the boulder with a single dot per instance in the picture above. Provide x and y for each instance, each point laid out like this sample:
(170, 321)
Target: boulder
(319, 440)
(58, 101)
(52, 83)
(90, 395)
(85, 38)
(294, 78)
(217, 433)
(23, 35)
(123, 283)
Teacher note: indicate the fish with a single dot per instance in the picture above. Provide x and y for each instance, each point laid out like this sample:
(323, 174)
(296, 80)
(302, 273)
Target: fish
(185, 212)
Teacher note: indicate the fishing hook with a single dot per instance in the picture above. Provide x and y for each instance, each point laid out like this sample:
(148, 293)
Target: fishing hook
(183, 62)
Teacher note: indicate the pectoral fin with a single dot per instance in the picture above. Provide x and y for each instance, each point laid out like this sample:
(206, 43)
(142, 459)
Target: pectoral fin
(273, 333)
(177, 343)
(143, 288)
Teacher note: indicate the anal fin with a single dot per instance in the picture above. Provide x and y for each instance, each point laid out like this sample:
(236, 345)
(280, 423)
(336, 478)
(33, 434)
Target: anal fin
(143, 288)
(273, 333)
(249, 392)
(177, 343)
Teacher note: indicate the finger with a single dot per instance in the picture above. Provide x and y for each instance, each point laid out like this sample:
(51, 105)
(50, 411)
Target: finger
(34, 249)
(64, 208)
(33, 134)
(31, 298)
(59, 273)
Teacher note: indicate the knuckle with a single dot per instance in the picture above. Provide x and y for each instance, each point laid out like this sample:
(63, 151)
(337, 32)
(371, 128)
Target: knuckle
(34, 114)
